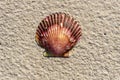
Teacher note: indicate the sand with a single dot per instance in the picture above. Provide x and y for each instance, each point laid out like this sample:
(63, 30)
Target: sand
(95, 57)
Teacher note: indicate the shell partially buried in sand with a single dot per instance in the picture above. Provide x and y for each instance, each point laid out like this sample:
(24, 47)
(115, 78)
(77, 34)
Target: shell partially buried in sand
(58, 33)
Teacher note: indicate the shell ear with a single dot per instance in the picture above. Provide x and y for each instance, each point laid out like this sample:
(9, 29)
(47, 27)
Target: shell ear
(46, 54)
(38, 40)
(66, 55)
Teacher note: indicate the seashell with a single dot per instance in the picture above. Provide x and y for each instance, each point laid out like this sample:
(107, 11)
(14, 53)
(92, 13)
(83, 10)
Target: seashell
(58, 33)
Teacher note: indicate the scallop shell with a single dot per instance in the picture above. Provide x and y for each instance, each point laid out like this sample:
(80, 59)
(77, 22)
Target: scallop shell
(58, 33)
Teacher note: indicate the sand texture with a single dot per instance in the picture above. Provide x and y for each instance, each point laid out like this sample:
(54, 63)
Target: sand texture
(96, 56)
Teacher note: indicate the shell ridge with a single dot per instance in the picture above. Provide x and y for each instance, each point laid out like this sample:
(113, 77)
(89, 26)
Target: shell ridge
(72, 24)
(40, 27)
(60, 19)
(48, 21)
(40, 31)
(56, 18)
(74, 30)
(64, 20)
(65, 24)
(48, 34)
(78, 35)
(47, 24)
(69, 25)
(52, 22)
(44, 29)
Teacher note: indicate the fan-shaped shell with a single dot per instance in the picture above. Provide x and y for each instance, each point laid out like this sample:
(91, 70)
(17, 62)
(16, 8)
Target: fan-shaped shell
(58, 33)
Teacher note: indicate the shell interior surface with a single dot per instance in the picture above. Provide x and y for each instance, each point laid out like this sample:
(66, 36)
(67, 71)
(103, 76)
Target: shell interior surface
(58, 33)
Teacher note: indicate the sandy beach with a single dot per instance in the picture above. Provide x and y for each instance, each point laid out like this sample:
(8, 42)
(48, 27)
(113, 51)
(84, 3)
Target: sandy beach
(95, 57)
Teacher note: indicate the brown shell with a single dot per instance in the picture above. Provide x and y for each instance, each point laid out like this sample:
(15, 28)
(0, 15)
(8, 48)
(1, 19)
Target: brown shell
(58, 33)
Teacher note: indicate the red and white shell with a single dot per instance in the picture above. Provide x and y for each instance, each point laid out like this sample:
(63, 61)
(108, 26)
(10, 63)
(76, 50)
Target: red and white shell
(58, 33)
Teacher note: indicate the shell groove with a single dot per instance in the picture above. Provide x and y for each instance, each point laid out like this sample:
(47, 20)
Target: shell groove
(58, 33)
